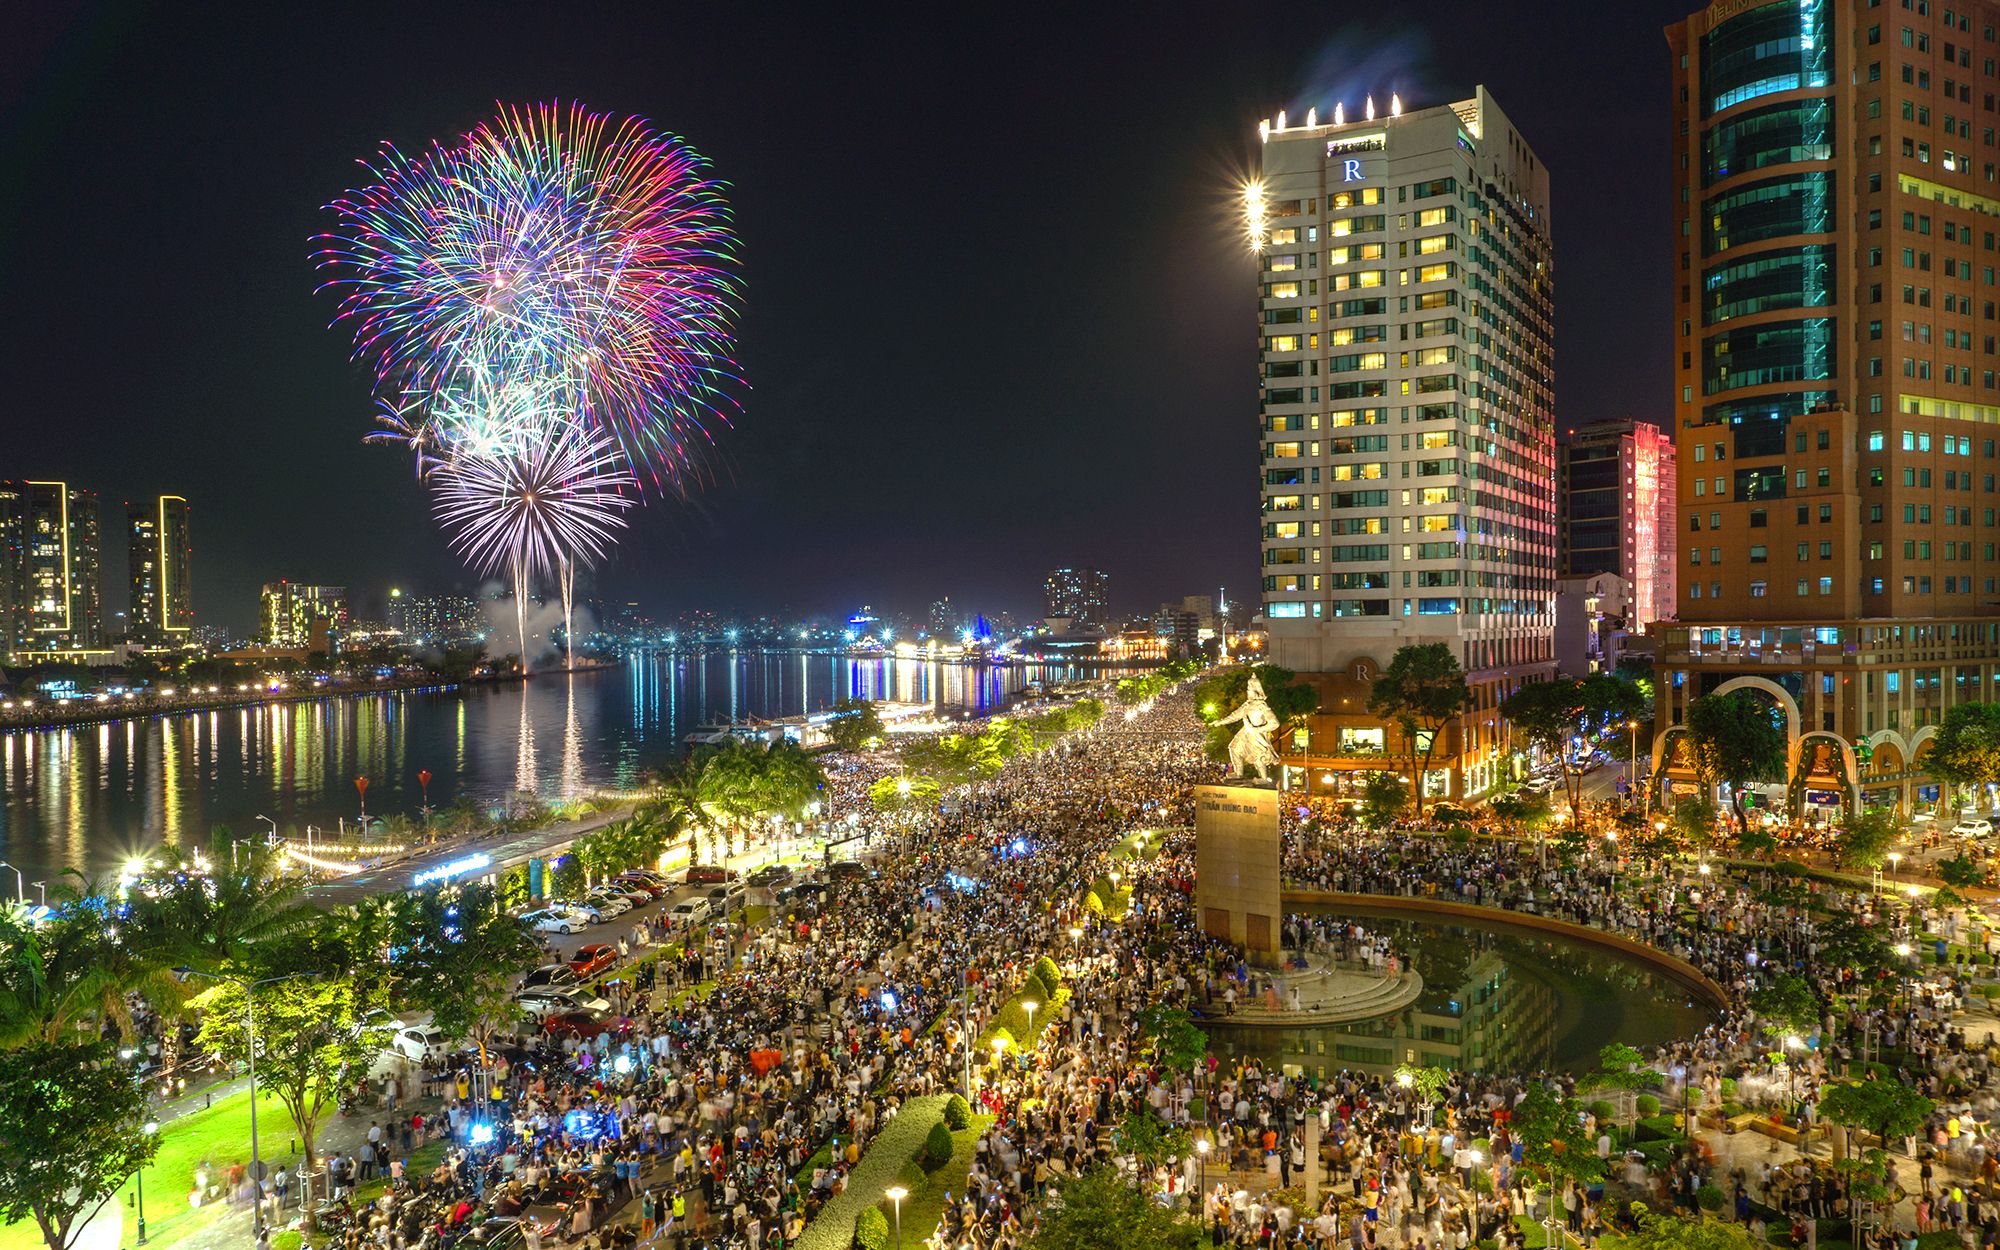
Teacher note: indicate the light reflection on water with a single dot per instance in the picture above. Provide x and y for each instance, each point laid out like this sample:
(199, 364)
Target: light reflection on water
(89, 796)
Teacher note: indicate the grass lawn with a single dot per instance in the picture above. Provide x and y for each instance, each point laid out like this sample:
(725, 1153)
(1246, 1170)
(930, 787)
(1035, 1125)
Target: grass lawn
(925, 1205)
(219, 1136)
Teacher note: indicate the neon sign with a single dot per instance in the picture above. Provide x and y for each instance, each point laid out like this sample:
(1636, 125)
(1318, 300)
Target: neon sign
(453, 868)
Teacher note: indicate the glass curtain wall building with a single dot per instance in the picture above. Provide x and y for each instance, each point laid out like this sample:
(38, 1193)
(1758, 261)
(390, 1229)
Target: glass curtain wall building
(1836, 205)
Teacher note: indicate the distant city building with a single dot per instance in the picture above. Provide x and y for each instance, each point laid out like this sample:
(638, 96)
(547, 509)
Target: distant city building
(944, 619)
(50, 600)
(1079, 596)
(1593, 613)
(1407, 445)
(436, 619)
(157, 557)
(1615, 487)
(302, 617)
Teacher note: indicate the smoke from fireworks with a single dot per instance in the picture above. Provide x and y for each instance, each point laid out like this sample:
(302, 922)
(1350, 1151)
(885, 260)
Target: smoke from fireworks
(548, 307)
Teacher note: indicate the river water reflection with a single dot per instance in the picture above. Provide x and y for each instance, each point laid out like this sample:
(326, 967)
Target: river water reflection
(89, 797)
(1496, 998)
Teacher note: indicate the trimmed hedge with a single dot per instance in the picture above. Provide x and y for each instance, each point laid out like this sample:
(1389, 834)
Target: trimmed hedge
(957, 1113)
(871, 1229)
(1647, 1104)
(936, 1151)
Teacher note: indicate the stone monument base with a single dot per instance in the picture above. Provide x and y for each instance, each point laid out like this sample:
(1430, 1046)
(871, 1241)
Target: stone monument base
(1236, 894)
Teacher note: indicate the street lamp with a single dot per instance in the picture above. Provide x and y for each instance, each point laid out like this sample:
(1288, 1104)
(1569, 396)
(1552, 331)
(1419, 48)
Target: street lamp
(1201, 1149)
(249, 989)
(1793, 1043)
(1895, 860)
(1632, 768)
(20, 884)
(1029, 1006)
(149, 1128)
(274, 830)
(896, 1194)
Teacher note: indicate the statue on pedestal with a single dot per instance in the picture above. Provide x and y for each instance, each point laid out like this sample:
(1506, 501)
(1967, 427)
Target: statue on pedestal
(1251, 747)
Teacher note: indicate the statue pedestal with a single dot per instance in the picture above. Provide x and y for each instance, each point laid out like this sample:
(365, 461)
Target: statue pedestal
(1236, 891)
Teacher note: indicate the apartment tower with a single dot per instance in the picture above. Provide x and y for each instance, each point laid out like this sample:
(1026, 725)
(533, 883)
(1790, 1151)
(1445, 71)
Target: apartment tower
(1407, 437)
(1836, 204)
(157, 554)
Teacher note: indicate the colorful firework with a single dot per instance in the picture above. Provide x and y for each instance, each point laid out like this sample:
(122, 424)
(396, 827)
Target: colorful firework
(553, 243)
(558, 503)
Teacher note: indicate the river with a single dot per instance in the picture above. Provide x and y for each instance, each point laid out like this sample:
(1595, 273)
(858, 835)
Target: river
(91, 796)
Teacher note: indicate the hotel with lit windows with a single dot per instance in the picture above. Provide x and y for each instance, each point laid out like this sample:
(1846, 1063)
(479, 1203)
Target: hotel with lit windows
(1836, 203)
(1408, 451)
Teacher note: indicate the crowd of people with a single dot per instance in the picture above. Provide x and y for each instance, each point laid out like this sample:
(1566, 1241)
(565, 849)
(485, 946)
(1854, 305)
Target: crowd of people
(737, 1095)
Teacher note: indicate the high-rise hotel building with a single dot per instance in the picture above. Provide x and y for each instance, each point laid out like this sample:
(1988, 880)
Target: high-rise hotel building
(1408, 451)
(162, 602)
(1836, 187)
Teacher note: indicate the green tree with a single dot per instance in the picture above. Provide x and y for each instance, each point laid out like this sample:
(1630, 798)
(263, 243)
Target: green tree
(1097, 1210)
(1422, 690)
(1384, 798)
(71, 1133)
(313, 1037)
(1677, 1232)
(1888, 1108)
(1150, 1140)
(1966, 751)
(1554, 1145)
(1787, 1006)
(1866, 838)
(1693, 818)
(1961, 871)
(1734, 739)
(853, 724)
(905, 793)
(460, 955)
(1222, 692)
(1426, 1083)
(1178, 1042)
(1620, 1066)
(66, 976)
(1563, 715)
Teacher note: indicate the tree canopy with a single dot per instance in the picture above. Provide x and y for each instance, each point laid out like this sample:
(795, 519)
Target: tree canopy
(1098, 1210)
(1422, 690)
(1966, 750)
(1222, 691)
(1734, 739)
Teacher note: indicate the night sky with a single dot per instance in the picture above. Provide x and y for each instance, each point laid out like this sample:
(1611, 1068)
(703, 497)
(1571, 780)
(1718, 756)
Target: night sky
(999, 315)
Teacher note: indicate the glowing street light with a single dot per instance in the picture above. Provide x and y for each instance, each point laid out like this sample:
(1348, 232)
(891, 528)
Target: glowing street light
(896, 1194)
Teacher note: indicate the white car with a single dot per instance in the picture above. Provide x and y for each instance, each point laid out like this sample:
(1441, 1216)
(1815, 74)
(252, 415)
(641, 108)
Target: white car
(419, 1043)
(556, 920)
(1978, 827)
(550, 1000)
(609, 904)
(691, 911)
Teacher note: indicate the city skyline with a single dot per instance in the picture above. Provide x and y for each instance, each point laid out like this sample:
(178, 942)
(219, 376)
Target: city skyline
(283, 406)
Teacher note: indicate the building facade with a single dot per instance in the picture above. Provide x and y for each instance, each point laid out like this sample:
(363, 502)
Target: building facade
(302, 617)
(1082, 596)
(1616, 492)
(50, 541)
(1836, 207)
(1407, 442)
(437, 619)
(157, 558)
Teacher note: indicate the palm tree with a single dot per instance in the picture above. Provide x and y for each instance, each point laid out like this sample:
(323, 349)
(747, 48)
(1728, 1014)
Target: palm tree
(217, 923)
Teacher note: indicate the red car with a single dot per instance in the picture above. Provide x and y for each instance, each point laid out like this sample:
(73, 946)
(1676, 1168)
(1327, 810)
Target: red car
(592, 959)
(651, 890)
(578, 1024)
(709, 874)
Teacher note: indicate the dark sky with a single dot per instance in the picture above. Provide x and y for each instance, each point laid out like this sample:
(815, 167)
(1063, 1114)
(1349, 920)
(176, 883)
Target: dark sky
(999, 316)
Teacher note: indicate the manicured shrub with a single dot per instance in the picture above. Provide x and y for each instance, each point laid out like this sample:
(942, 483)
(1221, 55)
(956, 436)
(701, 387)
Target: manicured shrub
(1050, 975)
(1605, 1111)
(937, 1148)
(1710, 1198)
(957, 1113)
(1648, 1105)
(871, 1229)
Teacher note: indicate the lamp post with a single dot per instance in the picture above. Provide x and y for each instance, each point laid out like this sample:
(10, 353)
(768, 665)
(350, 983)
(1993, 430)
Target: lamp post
(1895, 860)
(1201, 1149)
(249, 989)
(20, 884)
(1793, 1043)
(1029, 1006)
(1472, 1194)
(273, 841)
(1632, 767)
(139, 1181)
(896, 1194)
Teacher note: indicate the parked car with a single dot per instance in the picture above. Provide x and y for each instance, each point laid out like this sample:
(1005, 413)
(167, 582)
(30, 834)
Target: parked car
(708, 874)
(690, 911)
(631, 891)
(770, 875)
(727, 898)
(1978, 827)
(610, 905)
(589, 911)
(646, 875)
(579, 1024)
(549, 1001)
(846, 869)
(420, 1043)
(551, 976)
(647, 890)
(556, 920)
(592, 959)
